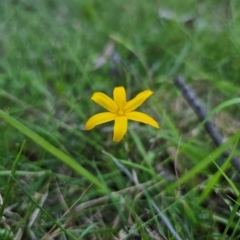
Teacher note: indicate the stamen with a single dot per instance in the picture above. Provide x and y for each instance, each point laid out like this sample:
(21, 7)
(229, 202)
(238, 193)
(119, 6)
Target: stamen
(120, 112)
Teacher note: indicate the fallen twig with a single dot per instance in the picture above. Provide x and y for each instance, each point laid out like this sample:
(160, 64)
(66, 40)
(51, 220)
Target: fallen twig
(209, 126)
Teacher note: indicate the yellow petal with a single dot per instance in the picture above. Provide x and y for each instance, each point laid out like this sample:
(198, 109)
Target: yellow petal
(137, 101)
(142, 117)
(119, 96)
(105, 101)
(120, 128)
(99, 119)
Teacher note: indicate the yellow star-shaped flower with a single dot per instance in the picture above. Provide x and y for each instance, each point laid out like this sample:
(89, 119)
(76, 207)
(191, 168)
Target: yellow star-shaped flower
(120, 110)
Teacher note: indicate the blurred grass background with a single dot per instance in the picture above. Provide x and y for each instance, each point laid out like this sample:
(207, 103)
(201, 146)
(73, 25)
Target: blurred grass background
(54, 55)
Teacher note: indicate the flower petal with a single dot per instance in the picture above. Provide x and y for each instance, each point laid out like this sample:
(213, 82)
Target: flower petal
(119, 96)
(99, 119)
(142, 117)
(137, 101)
(120, 128)
(105, 101)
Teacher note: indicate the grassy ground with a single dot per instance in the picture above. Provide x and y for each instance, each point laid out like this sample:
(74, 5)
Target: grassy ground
(53, 56)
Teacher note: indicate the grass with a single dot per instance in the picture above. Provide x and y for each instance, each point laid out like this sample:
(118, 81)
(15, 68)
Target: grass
(58, 181)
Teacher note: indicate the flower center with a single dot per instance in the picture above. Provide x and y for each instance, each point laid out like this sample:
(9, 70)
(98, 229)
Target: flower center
(120, 112)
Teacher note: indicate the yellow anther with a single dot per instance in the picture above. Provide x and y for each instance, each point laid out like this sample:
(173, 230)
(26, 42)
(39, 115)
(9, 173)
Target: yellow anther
(120, 112)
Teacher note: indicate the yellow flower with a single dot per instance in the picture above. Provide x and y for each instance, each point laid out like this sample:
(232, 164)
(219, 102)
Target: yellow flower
(120, 110)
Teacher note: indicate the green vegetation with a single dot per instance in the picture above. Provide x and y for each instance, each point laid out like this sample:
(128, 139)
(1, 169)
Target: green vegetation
(58, 181)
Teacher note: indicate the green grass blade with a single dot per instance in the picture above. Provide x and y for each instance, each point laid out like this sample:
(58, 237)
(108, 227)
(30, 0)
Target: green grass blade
(50, 148)
(230, 220)
(43, 211)
(215, 178)
(234, 188)
(10, 181)
(220, 107)
(136, 166)
(207, 160)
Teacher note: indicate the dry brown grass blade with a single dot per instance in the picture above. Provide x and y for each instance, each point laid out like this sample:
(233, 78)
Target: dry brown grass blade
(57, 231)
